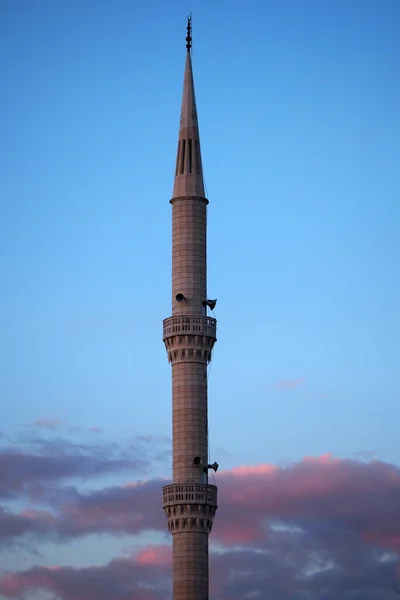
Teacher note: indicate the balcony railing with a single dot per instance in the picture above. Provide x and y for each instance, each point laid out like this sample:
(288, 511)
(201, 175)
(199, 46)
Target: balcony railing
(189, 493)
(189, 325)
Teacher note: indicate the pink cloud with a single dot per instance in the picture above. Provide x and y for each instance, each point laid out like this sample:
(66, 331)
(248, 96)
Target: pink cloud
(95, 429)
(155, 555)
(338, 521)
(341, 511)
(290, 384)
(245, 471)
(317, 491)
(273, 570)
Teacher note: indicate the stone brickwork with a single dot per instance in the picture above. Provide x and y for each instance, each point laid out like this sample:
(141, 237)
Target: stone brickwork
(189, 270)
(190, 566)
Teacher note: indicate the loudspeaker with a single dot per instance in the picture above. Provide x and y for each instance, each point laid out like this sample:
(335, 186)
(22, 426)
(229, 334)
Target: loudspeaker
(210, 303)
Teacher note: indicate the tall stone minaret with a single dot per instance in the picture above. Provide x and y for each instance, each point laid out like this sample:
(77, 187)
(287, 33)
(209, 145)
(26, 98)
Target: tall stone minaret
(189, 336)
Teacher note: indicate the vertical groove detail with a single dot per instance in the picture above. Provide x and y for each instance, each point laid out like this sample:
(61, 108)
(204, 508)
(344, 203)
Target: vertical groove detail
(198, 157)
(190, 156)
(183, 151)
(177, 158)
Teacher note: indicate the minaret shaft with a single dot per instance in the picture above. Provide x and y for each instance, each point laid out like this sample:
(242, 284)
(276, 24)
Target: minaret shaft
(189, 336)
(189, 266)
(189, 421)
(190, 566)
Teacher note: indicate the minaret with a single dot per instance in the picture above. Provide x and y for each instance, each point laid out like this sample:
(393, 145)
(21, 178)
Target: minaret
(189, 336)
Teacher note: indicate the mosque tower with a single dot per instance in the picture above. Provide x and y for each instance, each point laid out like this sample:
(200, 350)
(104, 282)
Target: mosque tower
(189, 335)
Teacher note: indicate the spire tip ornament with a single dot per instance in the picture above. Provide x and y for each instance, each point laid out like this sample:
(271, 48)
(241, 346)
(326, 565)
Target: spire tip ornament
(189, 33)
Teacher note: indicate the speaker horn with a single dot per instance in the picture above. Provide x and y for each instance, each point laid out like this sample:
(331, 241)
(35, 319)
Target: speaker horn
(214, 467)
(210, 303)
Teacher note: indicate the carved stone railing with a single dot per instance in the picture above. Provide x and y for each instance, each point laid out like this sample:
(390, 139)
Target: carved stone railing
(189, 325)
(189, 493)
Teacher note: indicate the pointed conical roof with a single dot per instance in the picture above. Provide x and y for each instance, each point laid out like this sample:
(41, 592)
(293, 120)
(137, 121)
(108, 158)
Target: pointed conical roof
(189, 172)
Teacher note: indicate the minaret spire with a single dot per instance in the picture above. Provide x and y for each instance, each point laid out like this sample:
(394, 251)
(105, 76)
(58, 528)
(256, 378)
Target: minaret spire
(189, 336)
(188, 172)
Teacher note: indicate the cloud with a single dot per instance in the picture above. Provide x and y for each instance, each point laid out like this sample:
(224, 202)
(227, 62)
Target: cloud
(48, 423)
(290, 384)
(118, 510)
(32, 465)
(13, 526)
(155, 555)
(322, 528)
(121, 578)
(95, 429)
(365, 454)
(154, 439)
(323, 492)
(25, 471)
(52, 424)
(280, 570)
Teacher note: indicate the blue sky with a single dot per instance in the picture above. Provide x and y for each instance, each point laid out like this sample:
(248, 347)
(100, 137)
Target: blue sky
(300, 127)
(298, 108)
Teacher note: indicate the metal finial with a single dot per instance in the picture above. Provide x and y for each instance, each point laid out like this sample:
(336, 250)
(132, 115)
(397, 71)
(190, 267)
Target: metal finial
(189, 33)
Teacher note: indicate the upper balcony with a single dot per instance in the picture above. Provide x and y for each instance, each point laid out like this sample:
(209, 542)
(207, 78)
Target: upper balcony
(189, 493)
(189, 325)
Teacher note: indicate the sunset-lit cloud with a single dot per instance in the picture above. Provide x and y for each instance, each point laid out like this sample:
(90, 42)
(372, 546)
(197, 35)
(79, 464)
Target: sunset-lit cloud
(319, 523)
(316, 490)
(290, 384)
(280, 568)
(154, 555)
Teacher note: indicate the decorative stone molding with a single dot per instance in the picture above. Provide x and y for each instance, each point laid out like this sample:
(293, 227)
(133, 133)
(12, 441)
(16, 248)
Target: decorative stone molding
(190, 507)
(185, 199)
(176, 493)
(190, 325)
(189, 338)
